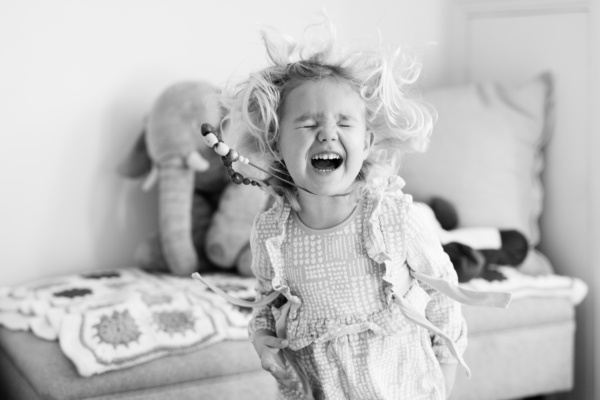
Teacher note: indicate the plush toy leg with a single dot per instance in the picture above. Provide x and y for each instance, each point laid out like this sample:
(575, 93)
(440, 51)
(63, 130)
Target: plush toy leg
(230, 229)
(244, 262)
(513, 251)
(468, 262)
(203, 209)
(149, 255)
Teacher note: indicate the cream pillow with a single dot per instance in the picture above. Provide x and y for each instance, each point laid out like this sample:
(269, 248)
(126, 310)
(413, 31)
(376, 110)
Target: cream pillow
(485, 153)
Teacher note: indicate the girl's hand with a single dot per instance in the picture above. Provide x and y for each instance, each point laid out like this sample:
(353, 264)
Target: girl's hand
(268, 347)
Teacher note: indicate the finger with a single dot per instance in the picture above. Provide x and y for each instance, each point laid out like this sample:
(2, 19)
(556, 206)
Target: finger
(275, 342)
(275, 368)
(273, 358)
(290, 384)
(282, 376)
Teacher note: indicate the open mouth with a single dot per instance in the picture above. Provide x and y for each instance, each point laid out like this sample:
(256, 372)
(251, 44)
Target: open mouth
(326, 162)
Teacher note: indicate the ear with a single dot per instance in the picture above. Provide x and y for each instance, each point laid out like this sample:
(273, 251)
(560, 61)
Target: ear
(369, 140)
(138, 162)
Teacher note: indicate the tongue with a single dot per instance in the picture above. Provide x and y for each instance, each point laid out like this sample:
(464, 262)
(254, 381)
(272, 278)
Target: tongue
(323, 164)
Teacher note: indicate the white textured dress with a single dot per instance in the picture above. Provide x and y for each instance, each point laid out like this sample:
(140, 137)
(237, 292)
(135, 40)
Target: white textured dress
(365, 305)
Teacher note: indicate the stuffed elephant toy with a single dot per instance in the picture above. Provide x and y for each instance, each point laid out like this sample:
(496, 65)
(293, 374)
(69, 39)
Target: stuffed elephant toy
(171, 151)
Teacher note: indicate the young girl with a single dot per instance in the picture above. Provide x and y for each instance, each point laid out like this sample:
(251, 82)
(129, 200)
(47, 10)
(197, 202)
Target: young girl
(356, 298)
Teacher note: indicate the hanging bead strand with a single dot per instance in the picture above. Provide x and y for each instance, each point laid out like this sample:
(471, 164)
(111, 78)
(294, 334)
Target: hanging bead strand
(228, 156)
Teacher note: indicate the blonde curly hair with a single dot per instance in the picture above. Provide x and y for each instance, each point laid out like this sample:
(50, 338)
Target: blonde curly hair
(400, 120)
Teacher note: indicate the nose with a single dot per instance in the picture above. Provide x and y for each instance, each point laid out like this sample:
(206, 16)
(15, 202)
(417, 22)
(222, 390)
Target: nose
(327, 133)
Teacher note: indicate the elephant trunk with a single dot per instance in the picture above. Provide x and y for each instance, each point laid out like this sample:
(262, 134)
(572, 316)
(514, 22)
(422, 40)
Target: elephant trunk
(176, 188)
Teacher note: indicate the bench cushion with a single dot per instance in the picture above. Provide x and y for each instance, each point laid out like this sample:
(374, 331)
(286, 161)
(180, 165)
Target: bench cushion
(533, 333)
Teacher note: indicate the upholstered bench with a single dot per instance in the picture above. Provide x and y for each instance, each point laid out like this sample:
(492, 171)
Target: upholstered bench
(518, 352)
(522, 351)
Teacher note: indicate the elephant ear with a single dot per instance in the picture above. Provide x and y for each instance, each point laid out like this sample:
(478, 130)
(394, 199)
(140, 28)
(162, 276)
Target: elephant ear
(138, 162)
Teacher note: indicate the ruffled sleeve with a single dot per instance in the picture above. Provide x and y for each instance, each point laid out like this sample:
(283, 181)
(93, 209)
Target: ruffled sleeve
(424, 253)
(262, 317)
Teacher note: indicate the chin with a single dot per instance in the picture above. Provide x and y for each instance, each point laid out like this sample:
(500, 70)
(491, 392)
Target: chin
(334, 191)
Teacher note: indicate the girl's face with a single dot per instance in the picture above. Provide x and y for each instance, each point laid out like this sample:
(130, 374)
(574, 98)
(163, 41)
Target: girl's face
(323, 137)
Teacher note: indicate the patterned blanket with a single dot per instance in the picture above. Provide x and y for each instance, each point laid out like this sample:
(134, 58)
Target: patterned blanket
(521, 285)
(115, 319)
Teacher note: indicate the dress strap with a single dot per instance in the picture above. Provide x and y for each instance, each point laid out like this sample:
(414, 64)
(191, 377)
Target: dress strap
(413, 315)
(234, 300)
(280, 326)
(462, 295)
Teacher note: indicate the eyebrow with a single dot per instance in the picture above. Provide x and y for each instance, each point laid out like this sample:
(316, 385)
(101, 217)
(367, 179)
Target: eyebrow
(306, 116)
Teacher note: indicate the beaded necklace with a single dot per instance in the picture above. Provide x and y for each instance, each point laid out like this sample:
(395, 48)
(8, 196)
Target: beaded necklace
(229, 156)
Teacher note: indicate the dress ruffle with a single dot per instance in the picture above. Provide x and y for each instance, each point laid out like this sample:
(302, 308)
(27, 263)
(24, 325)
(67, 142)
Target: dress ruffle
(300, 330)
(384, 195)
(389, 321)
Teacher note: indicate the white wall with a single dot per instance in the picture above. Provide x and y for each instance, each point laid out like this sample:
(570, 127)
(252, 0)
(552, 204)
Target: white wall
(593, 142)
(514, 39)
(76, 79)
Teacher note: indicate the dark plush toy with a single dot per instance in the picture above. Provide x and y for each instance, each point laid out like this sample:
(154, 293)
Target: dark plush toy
(472, 263)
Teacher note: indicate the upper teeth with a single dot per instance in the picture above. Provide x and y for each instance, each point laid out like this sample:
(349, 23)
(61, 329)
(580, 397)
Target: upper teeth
(329, 156)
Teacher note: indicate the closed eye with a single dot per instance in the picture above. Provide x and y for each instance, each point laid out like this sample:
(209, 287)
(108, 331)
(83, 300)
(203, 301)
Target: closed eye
(345, 121)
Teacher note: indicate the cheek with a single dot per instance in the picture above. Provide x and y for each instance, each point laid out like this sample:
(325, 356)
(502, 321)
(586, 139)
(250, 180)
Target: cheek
(285, 146)
(292, 145)
(291, 156)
